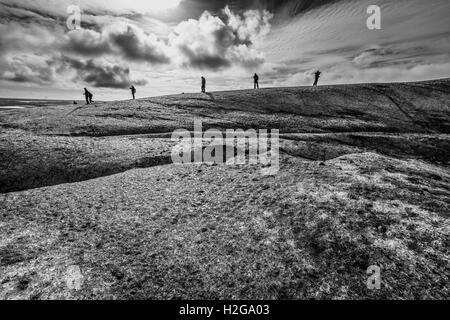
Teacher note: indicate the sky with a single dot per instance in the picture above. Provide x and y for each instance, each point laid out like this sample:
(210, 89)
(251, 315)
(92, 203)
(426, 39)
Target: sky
(165, 46)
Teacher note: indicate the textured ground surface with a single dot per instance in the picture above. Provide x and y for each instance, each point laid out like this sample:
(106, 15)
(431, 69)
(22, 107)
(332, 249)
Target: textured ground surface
(92, 207)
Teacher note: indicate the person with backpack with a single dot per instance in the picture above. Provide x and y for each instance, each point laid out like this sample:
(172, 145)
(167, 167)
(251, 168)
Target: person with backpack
(88, 95)
(317, 76)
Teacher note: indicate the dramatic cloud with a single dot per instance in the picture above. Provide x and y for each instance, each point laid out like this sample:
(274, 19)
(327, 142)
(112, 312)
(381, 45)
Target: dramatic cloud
(102, 74)
(27, 68)
(47, 53)
(171, 41)
(211, 43)
(120, 39)
(86, 42)
(251, 27)
(206, 43)
(134, 44)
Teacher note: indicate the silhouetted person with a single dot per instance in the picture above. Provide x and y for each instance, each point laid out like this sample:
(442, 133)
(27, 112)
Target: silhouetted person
(88, 96)
(256, 81)
(203, 84)
(317, 75)
(133, 92)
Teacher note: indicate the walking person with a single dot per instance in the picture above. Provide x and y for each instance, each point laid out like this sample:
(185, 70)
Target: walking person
(203, 84)
(256, 81)
(133, 92)
(88, 96)
(317, 77)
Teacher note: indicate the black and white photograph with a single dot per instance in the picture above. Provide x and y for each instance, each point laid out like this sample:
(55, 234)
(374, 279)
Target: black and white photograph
(214, 150)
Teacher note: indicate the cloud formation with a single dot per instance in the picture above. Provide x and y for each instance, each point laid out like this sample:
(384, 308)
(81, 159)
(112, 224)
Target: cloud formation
(86, 43)
(206, 43)
(136, 45)
(211, 43)
(121, 39)
(101, 74)
(27, 68)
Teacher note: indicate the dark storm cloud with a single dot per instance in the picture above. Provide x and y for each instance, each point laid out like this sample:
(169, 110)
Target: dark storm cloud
(86, 42)
(204, 60)
(136, 45)
(102, 75)
(121, 39)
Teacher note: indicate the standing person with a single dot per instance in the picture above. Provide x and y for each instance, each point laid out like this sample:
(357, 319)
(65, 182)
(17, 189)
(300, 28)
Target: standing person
(88, 96)
(203, 84)
(133, 92)
(317, 76)
(256, 81)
